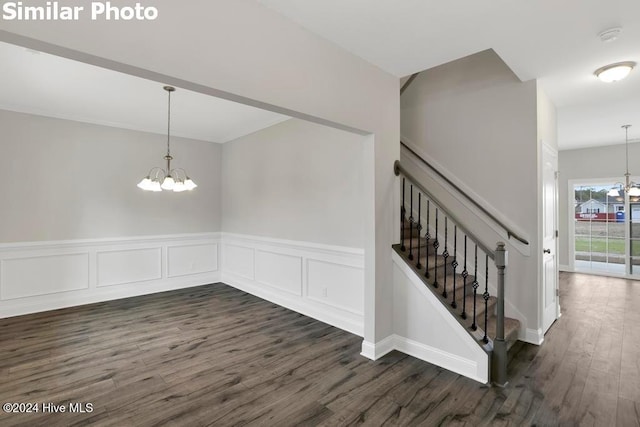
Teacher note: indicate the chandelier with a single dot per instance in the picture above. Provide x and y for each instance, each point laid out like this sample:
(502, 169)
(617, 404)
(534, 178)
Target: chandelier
(159, 179)
(629, 186)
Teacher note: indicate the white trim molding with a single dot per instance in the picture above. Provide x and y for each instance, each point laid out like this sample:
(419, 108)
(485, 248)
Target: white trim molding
(425, 329)
(375, 351)
(42, 276)
(534, 336)
(464, 366)
(320, 281)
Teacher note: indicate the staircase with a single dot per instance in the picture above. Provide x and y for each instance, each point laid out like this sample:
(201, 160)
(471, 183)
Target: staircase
(454, 265)
(459, 300)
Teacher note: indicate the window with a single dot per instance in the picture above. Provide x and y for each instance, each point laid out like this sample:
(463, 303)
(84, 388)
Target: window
(606, 230)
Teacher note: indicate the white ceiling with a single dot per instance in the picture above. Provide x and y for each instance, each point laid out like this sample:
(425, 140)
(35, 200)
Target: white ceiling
(48, 85)
(554, 41)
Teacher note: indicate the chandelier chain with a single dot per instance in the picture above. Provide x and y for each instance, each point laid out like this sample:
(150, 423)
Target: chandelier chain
(169, 124)
(626, 139)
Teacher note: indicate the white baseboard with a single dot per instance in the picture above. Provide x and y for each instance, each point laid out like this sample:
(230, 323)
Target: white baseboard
(58, 301)
(42, 276)
(375, 351)
(319, 281)
(534, 336)
(564, 267)
(467, 367)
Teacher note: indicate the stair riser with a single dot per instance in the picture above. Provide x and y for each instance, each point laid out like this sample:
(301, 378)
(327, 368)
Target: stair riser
(434, 260)
(480, 307)
(410, 232)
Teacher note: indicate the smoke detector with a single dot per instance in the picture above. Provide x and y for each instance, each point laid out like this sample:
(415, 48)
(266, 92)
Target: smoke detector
(610, 35)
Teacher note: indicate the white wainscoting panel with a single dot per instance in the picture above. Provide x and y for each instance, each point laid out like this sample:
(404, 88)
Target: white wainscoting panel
(129, 266)
(319, 281)
(239, 260)
(33, 275)
(41, 276)
(336, 284)
(192, 259)
(280, 271)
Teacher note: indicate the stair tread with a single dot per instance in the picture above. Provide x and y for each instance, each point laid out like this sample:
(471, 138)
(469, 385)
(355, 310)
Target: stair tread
(414, 241)
(456, 280)
(511, 328)
(491, 302)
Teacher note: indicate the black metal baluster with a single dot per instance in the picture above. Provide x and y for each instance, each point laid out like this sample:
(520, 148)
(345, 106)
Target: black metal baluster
(411, 225)
(427, 237)
(436, 245)
(419, 228)
(465, 274)
(486, 297)
(403, 213)
(474, 326)
(445, 255)
(454, 264)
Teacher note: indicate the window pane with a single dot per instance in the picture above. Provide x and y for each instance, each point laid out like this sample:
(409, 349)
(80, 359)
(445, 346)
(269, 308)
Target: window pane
(599, 229)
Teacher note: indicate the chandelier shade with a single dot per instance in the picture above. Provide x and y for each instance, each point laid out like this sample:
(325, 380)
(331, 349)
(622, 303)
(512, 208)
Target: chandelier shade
(159, 179)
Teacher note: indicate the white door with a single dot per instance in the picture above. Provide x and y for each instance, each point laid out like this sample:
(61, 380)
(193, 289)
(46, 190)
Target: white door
(550, 302)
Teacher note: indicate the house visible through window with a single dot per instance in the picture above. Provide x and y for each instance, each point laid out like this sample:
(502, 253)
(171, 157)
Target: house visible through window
(606, 237)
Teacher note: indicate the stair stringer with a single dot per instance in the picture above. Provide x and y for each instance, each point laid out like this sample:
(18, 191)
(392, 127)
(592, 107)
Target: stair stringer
(425, 329)
(524, 334)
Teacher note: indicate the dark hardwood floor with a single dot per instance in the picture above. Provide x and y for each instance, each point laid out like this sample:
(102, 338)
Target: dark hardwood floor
(216, 356)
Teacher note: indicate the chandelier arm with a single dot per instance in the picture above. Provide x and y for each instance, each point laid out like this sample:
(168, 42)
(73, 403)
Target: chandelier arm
(157, 169)
(176, 176)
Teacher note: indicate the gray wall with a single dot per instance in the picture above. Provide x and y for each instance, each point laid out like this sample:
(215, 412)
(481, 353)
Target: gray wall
(69, 180)
(478, 122)
(588, 164)
(297, 181)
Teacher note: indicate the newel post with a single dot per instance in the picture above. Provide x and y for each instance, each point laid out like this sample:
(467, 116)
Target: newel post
(499, 357)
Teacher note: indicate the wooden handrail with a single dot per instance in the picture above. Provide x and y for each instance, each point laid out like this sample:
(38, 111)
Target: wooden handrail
(510, 232)
(398, 169)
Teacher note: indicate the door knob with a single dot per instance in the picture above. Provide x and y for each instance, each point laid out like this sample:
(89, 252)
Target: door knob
(547, 251)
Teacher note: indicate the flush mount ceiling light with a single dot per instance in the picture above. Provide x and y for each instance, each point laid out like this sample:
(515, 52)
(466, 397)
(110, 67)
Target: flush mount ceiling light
(614, 72)
(159, 179)
(629, 186)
